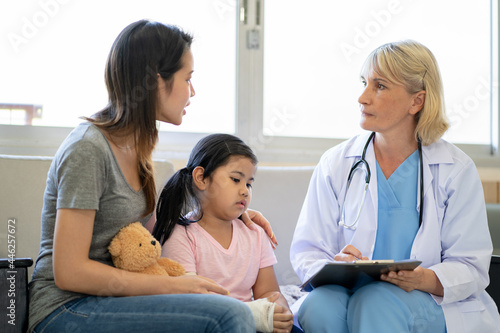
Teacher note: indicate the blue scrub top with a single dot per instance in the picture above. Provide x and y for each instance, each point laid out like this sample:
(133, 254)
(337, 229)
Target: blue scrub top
(397, 211)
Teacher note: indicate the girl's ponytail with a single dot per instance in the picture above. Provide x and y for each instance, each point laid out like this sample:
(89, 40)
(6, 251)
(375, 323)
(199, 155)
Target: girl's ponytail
(176, 200)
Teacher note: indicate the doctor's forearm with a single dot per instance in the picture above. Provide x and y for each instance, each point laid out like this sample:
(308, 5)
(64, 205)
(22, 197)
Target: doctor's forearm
(431, 283)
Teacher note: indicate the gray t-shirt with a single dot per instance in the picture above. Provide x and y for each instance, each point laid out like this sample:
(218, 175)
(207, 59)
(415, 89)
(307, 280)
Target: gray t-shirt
(84, 175)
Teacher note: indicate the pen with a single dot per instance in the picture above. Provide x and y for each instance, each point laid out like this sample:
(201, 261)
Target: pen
(388, 261)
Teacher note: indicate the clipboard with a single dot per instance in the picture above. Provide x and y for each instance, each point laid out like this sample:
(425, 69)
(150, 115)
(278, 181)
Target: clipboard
(355, 274)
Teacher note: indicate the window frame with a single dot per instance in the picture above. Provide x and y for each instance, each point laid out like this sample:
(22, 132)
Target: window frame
(44, 141)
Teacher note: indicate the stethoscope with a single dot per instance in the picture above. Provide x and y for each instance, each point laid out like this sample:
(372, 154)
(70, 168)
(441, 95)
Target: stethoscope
(359, 164)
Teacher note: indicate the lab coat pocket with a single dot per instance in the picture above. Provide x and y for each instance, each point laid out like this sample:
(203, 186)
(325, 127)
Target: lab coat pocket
(470, 317)
(471, 306)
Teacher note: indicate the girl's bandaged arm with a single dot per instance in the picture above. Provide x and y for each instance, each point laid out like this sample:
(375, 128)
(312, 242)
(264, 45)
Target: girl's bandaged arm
(263, 312)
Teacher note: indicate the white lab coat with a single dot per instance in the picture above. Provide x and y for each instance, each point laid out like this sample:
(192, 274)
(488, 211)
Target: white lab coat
(454, 239)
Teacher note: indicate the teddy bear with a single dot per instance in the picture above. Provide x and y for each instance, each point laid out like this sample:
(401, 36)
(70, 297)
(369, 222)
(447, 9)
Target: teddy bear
(134, 249)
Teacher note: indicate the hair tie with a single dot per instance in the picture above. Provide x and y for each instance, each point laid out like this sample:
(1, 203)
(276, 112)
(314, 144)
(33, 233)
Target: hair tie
(184, 171)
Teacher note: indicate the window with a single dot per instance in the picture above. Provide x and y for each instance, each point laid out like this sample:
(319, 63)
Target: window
(326, 43)
(281, 74)
(54, 53)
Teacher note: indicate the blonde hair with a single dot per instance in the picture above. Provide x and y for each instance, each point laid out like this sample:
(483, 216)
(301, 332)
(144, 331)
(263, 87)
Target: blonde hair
(412, 65)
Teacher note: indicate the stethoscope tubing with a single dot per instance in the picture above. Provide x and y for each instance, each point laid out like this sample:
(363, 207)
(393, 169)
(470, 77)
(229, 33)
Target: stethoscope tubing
(362, 161)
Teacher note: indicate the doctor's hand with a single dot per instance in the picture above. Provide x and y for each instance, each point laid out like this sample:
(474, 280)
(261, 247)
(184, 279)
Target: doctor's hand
(349, 253)
(419, 279)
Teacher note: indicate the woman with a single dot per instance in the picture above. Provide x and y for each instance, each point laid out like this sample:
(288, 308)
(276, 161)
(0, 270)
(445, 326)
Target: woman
(101, 179)
(424, 201)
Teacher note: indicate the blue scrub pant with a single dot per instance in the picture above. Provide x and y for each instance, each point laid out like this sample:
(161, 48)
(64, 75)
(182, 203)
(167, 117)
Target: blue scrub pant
(375, 307)
(159, 313)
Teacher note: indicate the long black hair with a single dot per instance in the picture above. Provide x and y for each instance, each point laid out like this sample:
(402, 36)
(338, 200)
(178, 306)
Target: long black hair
(141, 51)
(178, 196)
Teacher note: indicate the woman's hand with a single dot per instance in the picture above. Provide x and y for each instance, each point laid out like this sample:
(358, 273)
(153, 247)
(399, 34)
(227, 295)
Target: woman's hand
(195, 284)
(282, 317)
(419, 279)
(349, 253)
(252, 216)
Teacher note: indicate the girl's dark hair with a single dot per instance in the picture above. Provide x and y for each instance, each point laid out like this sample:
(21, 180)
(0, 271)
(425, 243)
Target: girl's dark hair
(141, 51)
(178, 197)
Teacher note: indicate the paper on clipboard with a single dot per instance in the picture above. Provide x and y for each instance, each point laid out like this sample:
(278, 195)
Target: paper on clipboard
(355, 274)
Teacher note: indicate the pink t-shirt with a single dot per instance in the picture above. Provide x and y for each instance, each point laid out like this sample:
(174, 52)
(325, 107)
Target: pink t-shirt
(235, 268)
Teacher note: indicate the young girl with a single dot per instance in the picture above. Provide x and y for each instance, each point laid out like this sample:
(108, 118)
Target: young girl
(213, 190)
(100, 180)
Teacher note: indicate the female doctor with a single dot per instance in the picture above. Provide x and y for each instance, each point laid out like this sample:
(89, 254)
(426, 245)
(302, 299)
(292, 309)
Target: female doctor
(398, 192)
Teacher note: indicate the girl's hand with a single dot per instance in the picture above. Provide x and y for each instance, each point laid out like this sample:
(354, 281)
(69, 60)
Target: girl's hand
(349, 253)
(253, 216)
(282, 318)
(419, 279)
